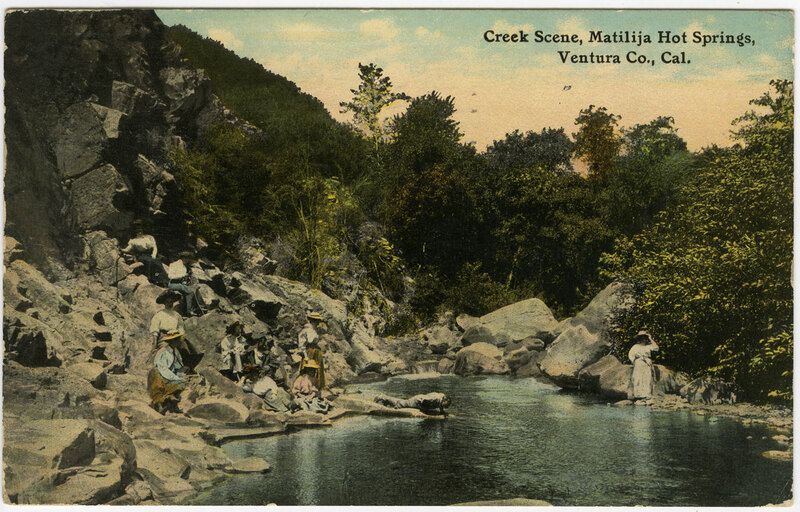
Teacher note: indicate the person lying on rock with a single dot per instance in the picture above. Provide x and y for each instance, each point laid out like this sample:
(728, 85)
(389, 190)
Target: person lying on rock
(306, 394)
(143, 248)
(430, 403)
(168, 319)
(640, 354)
(268, 390)
(165, 381)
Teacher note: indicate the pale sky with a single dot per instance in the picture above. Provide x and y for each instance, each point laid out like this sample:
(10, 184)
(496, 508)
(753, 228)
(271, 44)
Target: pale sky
(502, 87)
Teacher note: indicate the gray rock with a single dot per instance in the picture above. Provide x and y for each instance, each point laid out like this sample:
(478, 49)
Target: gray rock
(481, 334)
(667, 381)
(65, 461)
(250, 465)
(220, 410)
(520, 320)
(102, 254)
(531, 368)
(517, 358)
(614, 299)
(246, 292)
(93, 373)
(440, 339)
(464, 321)
(95, 197)
(574, 349)
(709, 391)
(445, 365)
(480, 358)
(83, 135)
(607, 377)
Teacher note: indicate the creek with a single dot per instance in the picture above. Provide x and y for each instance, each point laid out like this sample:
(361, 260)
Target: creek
(510, 438)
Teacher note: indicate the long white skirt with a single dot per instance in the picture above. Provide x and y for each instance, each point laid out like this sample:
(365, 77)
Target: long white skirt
(642, 379)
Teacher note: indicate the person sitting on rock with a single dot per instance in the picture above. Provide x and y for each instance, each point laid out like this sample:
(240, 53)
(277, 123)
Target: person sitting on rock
(188, 290)
(165, 382)
(168, 319)
(640, 355)
(306, 394)
(232, 348)
(308, 334)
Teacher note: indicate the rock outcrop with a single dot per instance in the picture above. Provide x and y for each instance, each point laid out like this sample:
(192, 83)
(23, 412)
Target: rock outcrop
(583, 339)
(510, 324)
(479, 359)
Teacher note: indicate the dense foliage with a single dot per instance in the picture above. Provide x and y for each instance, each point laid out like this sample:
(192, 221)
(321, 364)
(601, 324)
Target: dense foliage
(434, 223)
(715, 270)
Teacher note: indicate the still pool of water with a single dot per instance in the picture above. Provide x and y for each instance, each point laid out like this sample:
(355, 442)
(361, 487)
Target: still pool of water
(513, 438)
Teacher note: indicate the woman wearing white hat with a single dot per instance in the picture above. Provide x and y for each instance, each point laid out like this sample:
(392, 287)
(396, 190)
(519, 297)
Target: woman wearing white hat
(640, 355)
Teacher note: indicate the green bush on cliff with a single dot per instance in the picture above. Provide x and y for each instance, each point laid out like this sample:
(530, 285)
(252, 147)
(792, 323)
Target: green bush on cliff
(715, 269)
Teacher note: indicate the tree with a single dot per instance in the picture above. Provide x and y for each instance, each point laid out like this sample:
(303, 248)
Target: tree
(645, 178)
(550, 149)
(715, 269)
(597, 141)
(373, 95)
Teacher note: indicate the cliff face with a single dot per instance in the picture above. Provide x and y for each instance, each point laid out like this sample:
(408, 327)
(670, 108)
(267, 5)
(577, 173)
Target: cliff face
(95, 102)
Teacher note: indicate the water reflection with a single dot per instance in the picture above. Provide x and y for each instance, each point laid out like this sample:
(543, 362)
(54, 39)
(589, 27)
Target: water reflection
(509, 438)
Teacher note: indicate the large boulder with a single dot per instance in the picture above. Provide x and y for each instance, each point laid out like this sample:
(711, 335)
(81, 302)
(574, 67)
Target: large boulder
(574, 349)
(93, 373)
(512, 323)
(440, 339)
(102, 254)
(614, 299)
(221, 410)
(246, 292)
(83, 135)
(65, 461)
(96, 198)
(607, 377)
(480, 358)
(163, 470)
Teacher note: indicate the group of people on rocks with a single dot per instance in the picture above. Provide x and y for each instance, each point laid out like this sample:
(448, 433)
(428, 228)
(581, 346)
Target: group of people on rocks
(257, 365)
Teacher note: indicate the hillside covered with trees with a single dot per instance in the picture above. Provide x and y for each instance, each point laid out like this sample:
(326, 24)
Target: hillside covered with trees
(706, 236)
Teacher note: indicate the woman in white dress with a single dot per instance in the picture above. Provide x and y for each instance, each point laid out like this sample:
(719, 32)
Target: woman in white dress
(641, 357)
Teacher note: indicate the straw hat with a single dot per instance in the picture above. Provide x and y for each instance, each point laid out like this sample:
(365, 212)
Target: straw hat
(313, 315)
(309, 363)
(172, 335)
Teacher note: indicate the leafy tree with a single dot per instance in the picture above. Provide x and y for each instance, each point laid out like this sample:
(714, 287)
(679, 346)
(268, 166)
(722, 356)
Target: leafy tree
(373, 95)
(645, 179)
(549, 149)
(425, 134)
(715, 269)
(597, 140)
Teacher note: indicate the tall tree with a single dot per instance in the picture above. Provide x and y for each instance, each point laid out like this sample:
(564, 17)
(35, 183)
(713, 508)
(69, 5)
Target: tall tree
(597, 140)
(373, 95)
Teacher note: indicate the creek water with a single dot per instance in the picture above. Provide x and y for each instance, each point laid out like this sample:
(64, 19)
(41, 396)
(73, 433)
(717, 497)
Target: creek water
(510, 438)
